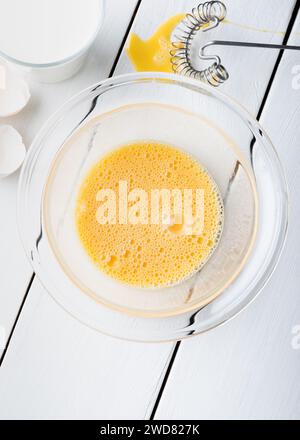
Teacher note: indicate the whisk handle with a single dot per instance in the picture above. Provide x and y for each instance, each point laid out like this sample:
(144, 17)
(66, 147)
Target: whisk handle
(247, 44)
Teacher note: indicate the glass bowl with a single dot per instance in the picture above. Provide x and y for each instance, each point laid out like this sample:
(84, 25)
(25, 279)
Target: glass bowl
(208, 125)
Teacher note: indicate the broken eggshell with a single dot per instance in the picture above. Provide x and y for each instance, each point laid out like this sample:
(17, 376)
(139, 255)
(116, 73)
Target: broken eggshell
(14, 92)
(12, 150)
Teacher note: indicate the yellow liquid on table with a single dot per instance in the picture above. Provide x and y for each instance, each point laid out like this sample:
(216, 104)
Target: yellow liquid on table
(154, 54)
(147, 255)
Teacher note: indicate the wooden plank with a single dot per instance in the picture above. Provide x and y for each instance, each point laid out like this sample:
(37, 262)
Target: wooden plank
(45, 100)
(249, 369)
(58, 368)
(55, 367)
(16, 271)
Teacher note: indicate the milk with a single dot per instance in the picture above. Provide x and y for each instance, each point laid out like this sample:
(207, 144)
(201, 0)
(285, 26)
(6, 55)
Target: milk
(48, 32)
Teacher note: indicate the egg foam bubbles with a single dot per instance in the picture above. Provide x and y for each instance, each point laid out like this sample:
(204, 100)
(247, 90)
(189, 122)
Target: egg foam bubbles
(127, 241)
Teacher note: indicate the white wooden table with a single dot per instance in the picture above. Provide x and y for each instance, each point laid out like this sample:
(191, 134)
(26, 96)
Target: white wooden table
(54, 367)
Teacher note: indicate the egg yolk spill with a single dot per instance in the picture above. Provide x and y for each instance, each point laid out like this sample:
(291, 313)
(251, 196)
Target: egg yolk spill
(147, 255)
(154, 54)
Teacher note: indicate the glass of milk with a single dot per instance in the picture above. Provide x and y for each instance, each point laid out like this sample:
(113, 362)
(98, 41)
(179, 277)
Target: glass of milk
(49, 38)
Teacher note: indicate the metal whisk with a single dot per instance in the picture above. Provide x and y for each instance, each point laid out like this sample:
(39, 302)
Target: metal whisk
(204, 17)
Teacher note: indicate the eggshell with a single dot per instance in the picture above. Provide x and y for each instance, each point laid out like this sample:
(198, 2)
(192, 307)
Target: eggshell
(12, 150)
(14, 91)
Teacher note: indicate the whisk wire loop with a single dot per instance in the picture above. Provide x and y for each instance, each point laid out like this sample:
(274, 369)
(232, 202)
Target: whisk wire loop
(203, 17)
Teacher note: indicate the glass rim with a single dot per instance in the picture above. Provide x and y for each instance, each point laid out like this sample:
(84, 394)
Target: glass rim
(62, 61)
